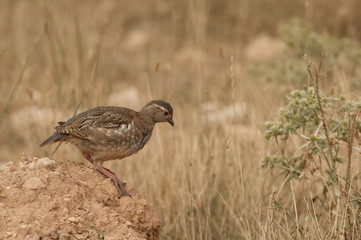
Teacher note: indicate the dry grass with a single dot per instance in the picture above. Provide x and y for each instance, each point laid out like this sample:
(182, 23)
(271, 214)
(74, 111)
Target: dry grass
(204, 175)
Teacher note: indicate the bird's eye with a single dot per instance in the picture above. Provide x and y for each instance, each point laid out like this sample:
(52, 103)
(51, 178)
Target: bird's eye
(166, 113)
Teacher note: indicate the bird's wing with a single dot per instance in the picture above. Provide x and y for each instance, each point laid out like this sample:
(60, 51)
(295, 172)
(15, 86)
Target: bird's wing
(96, 122)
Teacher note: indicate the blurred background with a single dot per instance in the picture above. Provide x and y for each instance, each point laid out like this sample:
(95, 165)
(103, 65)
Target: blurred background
(225, 66)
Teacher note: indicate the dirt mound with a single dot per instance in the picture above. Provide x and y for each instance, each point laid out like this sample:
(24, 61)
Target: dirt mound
(43, 199)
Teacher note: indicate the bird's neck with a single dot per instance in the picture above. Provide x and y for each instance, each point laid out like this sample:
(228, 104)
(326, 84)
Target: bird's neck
(146, 114)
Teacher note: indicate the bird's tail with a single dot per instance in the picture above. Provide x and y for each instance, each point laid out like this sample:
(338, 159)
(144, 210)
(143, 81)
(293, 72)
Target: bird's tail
(54, 138)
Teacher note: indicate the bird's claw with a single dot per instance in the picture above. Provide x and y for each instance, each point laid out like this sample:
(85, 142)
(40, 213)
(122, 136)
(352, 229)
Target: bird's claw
(120, 186)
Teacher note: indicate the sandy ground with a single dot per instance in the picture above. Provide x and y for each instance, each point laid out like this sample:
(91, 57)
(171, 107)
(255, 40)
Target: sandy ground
(41, 199)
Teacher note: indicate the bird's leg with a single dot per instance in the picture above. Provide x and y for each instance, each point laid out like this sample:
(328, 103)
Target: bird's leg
(119, 185)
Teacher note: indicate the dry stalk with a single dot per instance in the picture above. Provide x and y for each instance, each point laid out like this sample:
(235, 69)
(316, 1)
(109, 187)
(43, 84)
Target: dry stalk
(351, 133)
(316, 79)
(17, 85)
(346, 192)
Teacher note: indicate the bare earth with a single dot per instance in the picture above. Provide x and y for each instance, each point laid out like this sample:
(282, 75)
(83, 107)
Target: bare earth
(43, 199)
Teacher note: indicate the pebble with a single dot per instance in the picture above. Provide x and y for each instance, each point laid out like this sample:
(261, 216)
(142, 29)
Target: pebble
(42, 162)
(10, 164)
(80, 182)
(129, 224)
(33, 183)
(73, 219)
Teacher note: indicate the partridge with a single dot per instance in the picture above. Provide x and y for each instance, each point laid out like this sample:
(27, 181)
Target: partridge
(107, 133)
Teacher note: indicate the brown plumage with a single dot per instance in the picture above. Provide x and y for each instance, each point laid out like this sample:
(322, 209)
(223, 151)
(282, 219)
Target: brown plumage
(107, 133)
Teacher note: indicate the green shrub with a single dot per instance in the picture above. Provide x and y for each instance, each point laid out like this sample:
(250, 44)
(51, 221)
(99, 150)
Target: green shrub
(289, 67)
(302, 117)
(314, 134)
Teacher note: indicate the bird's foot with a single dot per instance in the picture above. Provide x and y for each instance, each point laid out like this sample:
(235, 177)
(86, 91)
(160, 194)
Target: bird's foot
(119, 185)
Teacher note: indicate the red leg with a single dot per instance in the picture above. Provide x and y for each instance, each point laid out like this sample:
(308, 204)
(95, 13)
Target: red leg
(119, 185)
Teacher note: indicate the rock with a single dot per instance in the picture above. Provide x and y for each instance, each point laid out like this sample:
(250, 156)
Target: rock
(69, 200)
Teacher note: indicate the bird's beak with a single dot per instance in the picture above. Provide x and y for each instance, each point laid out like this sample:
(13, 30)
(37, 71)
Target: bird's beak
(170, 121)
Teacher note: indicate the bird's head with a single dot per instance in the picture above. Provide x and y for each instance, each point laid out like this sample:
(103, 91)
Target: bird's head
(160, 110)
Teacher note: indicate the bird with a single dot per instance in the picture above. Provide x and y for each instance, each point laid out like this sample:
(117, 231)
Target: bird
(107, 133)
